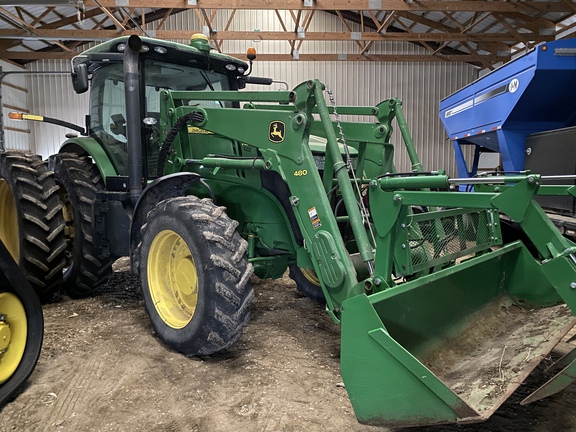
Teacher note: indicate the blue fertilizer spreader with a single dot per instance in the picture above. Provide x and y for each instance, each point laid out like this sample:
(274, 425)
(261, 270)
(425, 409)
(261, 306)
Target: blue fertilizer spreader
(509, 108)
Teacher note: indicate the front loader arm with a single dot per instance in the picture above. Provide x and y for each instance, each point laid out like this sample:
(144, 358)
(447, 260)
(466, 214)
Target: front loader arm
(281, 136)
(556, 254)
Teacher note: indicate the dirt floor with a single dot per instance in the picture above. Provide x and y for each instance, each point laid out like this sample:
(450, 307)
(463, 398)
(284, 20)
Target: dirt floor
(102, 369)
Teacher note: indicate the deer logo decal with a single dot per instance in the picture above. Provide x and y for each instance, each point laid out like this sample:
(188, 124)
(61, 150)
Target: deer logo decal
(276, 131)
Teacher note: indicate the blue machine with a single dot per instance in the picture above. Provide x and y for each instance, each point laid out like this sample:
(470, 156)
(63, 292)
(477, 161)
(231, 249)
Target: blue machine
(533, 93)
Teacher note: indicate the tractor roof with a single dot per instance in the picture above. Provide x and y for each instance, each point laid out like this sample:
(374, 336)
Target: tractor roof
(197, 52)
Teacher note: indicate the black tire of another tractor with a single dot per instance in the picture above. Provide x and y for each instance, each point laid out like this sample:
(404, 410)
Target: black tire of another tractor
(40, 223)
(13, 281)
(79, 181)
(222, 270)
(305, 286)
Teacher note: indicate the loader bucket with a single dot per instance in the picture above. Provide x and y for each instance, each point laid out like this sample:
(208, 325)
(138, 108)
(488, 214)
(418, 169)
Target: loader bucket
(453, 345)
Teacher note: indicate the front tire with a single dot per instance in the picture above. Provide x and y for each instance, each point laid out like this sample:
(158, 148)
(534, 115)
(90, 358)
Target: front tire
(31, 223)
(195, 276)
(307, 283)
(79, 181)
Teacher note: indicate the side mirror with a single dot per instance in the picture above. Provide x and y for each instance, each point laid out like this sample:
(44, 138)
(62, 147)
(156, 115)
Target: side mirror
(80, 78)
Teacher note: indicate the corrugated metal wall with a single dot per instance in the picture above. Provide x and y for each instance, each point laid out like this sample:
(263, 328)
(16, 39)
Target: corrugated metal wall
(51, 95)
(421, 86)
(14, 98)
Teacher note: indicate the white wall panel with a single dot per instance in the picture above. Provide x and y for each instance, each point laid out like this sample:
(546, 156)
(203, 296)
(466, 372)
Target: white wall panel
(12, 99)
(51, 95)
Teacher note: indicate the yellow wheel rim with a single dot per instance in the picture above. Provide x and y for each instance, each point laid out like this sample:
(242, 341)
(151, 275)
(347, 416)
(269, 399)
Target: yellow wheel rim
(172, 279)
(13, 334)
(311, 276)
(9, 221)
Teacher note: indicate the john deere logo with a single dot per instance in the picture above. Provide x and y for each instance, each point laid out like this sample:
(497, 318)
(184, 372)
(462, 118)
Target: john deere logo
(276, 131)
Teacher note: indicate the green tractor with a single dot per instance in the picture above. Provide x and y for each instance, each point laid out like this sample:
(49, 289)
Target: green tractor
(202, 184)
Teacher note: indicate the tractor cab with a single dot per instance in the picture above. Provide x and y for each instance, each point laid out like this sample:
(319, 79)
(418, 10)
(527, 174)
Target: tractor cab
(161, 66)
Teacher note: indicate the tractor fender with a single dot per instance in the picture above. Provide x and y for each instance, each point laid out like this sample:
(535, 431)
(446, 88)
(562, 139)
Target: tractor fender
(91, 147)
(168, 186)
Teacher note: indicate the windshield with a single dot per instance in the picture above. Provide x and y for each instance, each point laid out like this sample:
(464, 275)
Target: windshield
(108, 108)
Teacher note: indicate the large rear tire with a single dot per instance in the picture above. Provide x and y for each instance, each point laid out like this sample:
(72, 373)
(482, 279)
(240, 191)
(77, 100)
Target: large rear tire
(307, 283)
(31, 223)
(21, 327)
(79, 181)
(195, 275)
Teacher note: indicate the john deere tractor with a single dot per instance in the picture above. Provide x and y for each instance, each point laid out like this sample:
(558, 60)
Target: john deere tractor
(202, 184)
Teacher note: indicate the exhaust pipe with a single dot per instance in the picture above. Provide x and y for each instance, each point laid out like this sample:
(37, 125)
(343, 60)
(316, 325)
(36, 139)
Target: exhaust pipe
(133, 121)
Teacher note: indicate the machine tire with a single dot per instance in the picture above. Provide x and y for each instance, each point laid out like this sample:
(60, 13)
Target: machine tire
(79, 181)
(21, 327)
(307, 283)
(31, 223)
(195, 275)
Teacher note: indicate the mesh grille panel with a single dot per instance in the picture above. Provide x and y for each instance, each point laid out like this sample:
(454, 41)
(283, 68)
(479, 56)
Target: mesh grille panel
(448, 237)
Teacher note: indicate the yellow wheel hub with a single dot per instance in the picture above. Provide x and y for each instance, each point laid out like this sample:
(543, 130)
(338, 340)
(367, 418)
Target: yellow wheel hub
(13, 334)
(9, 221)
(311, 276)
(172, 279)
